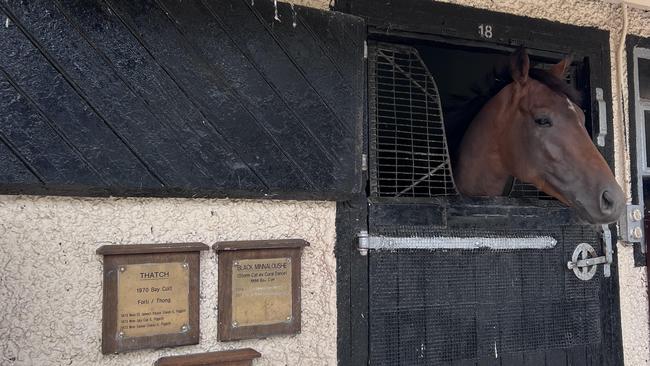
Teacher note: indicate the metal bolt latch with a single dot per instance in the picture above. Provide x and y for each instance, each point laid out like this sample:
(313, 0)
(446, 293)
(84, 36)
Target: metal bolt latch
(584, 261)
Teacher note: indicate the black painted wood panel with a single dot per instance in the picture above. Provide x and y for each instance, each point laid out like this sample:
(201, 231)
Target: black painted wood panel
(68, 111)
(158, 89)
(12, 170)
(170, 98)
(33, 138)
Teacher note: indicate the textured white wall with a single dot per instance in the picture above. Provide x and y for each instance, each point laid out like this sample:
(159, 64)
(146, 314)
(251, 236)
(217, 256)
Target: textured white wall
(319, 4)
(51, 278)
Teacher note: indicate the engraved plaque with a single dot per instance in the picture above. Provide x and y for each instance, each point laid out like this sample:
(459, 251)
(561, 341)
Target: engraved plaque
(259, 288)
(150, 296)
(261, 291)
(152, 299)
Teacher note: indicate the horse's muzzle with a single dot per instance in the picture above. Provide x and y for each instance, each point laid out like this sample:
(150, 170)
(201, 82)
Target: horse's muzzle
(611, 203)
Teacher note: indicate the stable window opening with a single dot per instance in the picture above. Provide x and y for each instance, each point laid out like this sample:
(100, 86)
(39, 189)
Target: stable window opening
(422, 97)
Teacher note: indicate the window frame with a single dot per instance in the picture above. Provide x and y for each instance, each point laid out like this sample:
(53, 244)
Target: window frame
(641, 106)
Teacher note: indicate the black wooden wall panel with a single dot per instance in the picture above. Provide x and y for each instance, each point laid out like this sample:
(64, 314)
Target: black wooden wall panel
(169, 97)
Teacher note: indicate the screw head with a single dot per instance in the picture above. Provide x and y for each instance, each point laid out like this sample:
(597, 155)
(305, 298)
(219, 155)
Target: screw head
(122, 269)
(186, 265)
(235, 324)
(288, 260)
(235, 263)
(636, 214)
(185, 328)
(120, 334)
(637, 233)
(289, 318)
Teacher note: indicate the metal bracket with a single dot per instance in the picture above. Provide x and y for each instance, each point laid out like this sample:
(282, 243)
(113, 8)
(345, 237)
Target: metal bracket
(608, 249)
(584, 262)
(602, 117)
(631, 224)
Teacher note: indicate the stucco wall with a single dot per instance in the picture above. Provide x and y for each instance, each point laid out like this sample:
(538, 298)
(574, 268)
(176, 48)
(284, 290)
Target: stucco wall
(319, 4)
(51, 278)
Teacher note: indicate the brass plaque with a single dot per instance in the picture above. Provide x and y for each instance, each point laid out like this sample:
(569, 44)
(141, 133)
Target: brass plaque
(152, 299)
(261, 291)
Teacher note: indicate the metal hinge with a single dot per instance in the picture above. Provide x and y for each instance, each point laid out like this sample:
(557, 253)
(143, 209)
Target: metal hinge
(631, 224)
(364, 242)
(584, 262)
(371, 242)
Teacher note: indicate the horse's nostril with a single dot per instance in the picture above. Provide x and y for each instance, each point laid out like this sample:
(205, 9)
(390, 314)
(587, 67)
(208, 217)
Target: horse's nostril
(607, 203)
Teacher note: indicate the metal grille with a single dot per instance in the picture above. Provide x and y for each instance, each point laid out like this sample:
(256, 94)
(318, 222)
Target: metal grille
(526, 190)
(431, 307)
(408, 148)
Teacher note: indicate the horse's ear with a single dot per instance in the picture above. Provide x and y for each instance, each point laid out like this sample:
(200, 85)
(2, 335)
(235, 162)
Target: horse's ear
(519, 65)
(560, 68)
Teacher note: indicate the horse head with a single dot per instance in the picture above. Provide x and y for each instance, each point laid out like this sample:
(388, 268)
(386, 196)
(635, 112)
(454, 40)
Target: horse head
(534, 130)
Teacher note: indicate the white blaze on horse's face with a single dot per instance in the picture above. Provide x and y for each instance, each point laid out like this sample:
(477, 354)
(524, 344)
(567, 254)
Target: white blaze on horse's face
(573, 109)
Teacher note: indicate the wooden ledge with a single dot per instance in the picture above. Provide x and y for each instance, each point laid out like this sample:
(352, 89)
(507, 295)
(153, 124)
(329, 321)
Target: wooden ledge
(150, 248)
(221, 358)
(259, 244)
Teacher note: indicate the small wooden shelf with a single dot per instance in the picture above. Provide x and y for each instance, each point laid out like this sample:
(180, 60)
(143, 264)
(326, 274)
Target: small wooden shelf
(239, 357)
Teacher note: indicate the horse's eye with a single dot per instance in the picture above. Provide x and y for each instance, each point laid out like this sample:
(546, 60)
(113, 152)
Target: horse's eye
(544, 121)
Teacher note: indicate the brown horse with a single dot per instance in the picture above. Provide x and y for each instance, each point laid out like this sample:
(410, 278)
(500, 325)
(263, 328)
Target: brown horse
(534, 130)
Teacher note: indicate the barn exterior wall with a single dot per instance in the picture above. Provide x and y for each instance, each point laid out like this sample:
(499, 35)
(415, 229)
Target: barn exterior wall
(51, 282)
(54, 316)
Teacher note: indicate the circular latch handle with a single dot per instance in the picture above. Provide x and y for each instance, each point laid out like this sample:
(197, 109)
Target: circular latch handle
(583, 252)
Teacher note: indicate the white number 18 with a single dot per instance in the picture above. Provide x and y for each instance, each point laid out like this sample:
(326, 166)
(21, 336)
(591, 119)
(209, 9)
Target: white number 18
(485, 30)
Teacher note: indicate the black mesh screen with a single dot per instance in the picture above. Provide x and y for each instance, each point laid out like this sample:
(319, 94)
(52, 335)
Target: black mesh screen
(429, 307)
(408, 154)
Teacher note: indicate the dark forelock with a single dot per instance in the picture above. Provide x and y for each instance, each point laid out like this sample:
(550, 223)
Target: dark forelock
(556, 84)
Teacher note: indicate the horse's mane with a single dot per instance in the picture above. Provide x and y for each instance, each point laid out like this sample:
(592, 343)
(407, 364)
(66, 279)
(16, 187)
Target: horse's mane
(556, 84)
(467, 107)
